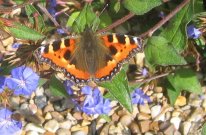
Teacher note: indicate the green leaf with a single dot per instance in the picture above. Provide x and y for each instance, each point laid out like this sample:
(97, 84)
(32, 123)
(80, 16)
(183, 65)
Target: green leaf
(117, 6)
(86, 18)
(172, 93)
(30, 11)
(175, 32)
(105, 20)
(72, 18)
(204, 129)
(23, 32)
(185, 79)
(119, 89)
(158, 51)
(198, 6)
(42, 81)
(57, 88)
(140, 7)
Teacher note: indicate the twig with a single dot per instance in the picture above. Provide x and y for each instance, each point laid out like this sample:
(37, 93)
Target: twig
(155, 77)
(118, 22)
(163, 21)
(10, 9)
(51, 18)
(48, 14)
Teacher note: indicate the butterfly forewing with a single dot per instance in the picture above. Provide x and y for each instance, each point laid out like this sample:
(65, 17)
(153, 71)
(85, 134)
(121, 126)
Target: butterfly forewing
(122, 48)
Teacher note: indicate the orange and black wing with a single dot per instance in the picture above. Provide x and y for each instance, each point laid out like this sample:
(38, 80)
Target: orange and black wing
(122, 48)
(58, 54)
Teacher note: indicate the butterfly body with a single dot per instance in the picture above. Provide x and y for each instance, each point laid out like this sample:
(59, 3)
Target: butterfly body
(90, 56)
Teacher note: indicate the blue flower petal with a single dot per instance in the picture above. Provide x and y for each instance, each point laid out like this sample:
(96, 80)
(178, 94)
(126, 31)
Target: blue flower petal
(67, 85)
(94, 103)
(87, 90)
(2, 83)
(23, 81)
(193, 32)
(9, 126)
(138, 97)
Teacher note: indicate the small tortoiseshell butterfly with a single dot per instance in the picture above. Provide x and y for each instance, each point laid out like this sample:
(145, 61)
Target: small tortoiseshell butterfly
(90, 56)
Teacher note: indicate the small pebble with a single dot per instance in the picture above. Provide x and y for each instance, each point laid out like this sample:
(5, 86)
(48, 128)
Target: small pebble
(65, 124)
(57, 116)
(48, 116)
(181, 101)
(143, 116)
(51, 126)
(170, 130)
(176, 122)
(144, 125)
(126, 120)
(14, 102)
(32, 133)
(33, 127)
(40, 101)
(78, 133)
(134, 128)
(63, 132)
(39, 91)
(48, 108)
(186, 127)
(155, 110)
(145, 109)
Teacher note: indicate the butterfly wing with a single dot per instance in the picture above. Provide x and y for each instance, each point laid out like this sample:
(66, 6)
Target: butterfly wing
(122, 48)
(58, 54)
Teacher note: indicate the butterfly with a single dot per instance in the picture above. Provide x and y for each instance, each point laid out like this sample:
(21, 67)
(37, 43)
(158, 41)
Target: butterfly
(89, 56)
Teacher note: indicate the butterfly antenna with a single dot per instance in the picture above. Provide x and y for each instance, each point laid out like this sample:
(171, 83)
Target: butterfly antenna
(97, 24)
(103, 9)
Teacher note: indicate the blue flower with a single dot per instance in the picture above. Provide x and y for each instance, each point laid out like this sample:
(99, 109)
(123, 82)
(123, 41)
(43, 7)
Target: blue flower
(2, 83)
(144, 72)
(67, 85)
(60, 31)
(138, 97)
(94, 103)
(9, 126)
(16, 45)
(23, 81)
(52, 7)
(193, 32)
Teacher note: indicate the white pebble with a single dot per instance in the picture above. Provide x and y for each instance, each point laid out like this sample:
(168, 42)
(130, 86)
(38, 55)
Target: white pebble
(155, 110)
(176, 122)
(51, 126)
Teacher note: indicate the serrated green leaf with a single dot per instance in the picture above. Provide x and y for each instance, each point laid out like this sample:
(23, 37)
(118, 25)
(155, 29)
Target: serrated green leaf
(175, 32)
(57, 88)
(140, 7)
(23, 32)
(185, 79)
(30, 10)
(204, 129)
(119, 89)
(158, 51)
